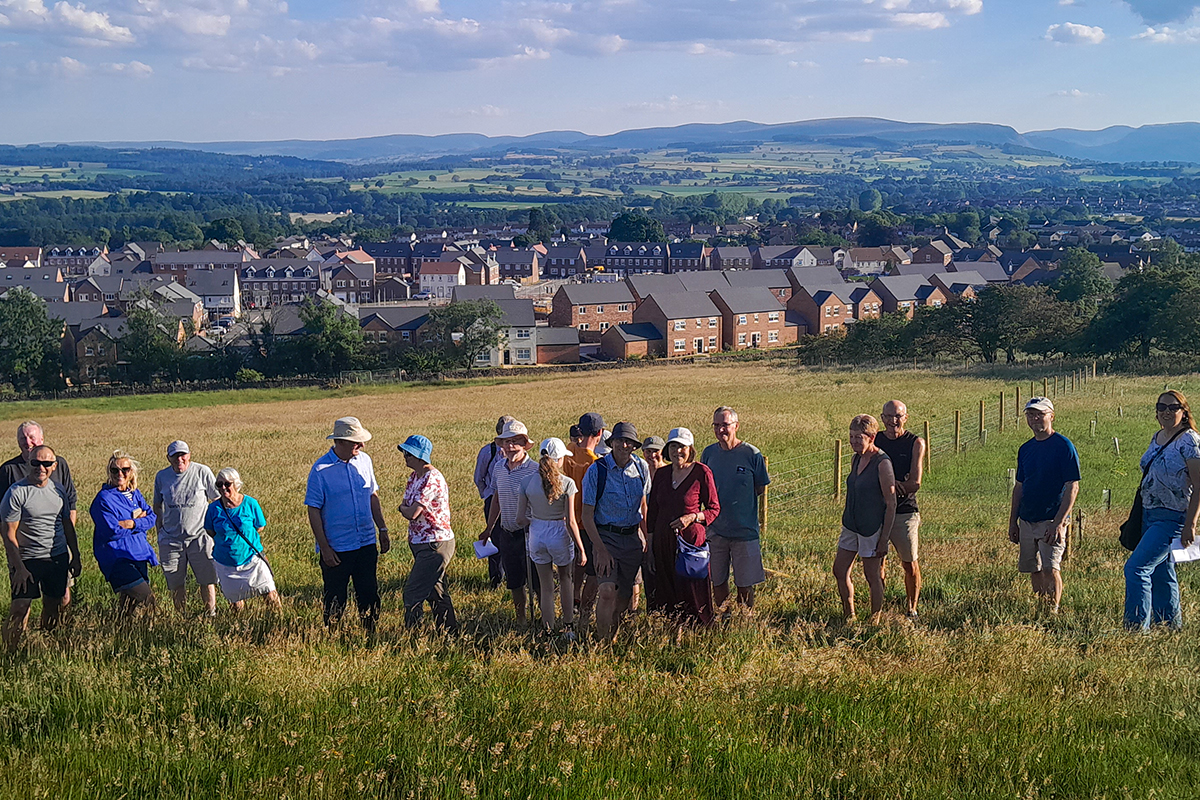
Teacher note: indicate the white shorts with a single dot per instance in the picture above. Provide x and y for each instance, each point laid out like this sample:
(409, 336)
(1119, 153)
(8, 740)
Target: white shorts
(865, 546)
(252, 579)
(550, 542)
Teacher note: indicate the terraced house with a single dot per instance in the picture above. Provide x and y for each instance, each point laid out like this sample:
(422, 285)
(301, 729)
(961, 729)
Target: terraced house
(591, 308)
(636, 258)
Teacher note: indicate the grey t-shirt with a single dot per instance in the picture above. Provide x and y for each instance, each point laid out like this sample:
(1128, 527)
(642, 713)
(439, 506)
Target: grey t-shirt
(535, 496)
(184, 499)
(39, 514)
(737, 473)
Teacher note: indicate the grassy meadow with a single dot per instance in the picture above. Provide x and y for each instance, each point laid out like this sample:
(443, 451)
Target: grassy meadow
(984, 698)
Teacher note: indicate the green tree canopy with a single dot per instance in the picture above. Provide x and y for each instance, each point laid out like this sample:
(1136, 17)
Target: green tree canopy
(332, 339)
(1081, 277)
(870, 200)
(633, 226)
(462, 331)
(29, 340)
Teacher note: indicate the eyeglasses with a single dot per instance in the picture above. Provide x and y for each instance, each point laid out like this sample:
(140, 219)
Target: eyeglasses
(43, 464)
(122, 470)
(223, 484)
(1161, 407)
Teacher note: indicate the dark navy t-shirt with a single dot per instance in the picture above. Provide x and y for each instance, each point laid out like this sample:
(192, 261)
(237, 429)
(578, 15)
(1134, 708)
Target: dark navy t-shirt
(1043, 469)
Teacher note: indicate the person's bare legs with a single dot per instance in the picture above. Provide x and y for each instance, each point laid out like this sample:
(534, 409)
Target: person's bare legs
(634, 600)
(912, 584)
(587, 602)
(273, 603)
(179, 596)
(208, 596)
(140, 596)
(843, 563)
(608, 611)
(1048, 585)
(545, 574)
(18, 619)
(566, 593)
(873, 572)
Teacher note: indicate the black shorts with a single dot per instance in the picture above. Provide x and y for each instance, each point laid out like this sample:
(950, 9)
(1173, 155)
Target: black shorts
(124, 574)
(49, 578)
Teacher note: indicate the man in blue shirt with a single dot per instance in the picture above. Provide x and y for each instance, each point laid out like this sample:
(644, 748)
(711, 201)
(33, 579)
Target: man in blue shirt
(344, 513)
(1047, 484)
(614, 515)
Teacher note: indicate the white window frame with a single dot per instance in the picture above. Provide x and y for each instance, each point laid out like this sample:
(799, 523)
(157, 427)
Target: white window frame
(680, 345)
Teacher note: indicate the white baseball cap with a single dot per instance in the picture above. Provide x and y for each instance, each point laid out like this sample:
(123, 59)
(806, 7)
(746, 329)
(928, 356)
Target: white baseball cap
(1039, 404)
(681, 435)
(553, 447)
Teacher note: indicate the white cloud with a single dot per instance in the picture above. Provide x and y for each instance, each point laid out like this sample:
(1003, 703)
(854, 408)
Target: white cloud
(1074, 33)
(674, 105)
(1157, 12)
(62, 20)
(886, 61)
(486, 110)
(1072, 93)
(803, 64)
(135, 69)
(926, 19)
(1168, 35)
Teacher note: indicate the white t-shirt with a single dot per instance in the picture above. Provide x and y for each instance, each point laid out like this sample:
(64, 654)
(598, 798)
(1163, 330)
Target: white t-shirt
(184, 499)
(1166, 484)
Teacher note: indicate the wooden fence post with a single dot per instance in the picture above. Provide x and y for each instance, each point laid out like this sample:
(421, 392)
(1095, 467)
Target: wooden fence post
(837, 469)
(1001, 419)
(762, 503)
(958, 431)
(1017, 405)
(928, 451)
(981, 418)
(1045, 388)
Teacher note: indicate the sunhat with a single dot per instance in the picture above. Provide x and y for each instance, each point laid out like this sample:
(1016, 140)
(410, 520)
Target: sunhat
(624, 430)
(417, 446)
(350, 429)
(515, 429)
(681, 435)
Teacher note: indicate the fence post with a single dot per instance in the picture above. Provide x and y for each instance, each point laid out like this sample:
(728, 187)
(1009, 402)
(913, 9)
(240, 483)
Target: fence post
(837, 469)
(1045, 388)
(981, 418)
(928, 451)
(1017, 405)
(958, 431)
(762, 502)
(1001, 422)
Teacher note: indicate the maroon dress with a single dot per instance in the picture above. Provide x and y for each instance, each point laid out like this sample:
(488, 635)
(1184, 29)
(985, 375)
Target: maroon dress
(665, 590)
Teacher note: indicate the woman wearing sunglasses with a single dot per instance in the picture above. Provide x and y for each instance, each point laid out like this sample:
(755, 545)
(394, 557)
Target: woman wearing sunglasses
(235, 522)
(122, 517)
(1170, 492)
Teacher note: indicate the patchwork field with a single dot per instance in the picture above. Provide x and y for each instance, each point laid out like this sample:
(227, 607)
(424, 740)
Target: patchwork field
(983, 698)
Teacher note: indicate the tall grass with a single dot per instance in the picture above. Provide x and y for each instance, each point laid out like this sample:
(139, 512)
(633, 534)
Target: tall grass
(984, 698)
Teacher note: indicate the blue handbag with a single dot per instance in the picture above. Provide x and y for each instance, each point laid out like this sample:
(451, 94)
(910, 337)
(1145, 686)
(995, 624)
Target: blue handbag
(691, 562)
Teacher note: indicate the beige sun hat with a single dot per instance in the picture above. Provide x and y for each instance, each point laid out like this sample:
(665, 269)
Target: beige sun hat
(350, 429)
(514, 429)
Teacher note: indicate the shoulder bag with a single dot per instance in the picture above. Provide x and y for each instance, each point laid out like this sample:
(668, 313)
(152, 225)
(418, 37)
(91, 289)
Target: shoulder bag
(1131, 529)
(691, 562)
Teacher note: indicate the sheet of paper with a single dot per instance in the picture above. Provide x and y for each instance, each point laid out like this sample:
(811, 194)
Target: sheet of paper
(485, 549)
(1180, 554)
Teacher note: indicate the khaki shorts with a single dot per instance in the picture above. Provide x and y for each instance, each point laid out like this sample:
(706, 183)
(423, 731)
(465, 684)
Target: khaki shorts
(904, 535)
(865, 546)
(1038, 555)
(744, 555)
(175, 556)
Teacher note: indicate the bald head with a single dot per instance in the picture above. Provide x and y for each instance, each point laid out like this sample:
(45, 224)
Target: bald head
(895, 415)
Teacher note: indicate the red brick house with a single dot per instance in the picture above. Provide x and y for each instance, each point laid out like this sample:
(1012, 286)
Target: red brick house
(905, 293)
(631, 340)
(752, 317)
(591, 308)
(824, 309)
(689, 322)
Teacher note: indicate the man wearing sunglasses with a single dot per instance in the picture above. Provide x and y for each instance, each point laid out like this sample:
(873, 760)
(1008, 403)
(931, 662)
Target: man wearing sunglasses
(182, 493)
(29, 436)
(40, 543)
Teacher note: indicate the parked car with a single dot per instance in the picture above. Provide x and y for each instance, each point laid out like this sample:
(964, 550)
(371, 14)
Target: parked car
(423, 295)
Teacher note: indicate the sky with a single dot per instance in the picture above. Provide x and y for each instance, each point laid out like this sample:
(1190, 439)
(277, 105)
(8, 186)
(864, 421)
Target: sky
(221, 70)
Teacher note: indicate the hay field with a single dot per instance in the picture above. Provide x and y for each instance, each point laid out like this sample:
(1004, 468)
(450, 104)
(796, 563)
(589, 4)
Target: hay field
(983, 698)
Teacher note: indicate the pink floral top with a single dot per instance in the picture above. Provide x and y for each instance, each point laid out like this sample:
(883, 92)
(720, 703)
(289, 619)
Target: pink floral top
(429, 488)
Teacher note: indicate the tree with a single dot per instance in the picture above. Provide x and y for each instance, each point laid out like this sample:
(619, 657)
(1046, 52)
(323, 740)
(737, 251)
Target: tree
(332, 339)
(1081, 277)
(542, 224)
(870, 200)
(632, 226)
(146, 346)
(227, 230)
(1151, 309)
(1007, 317)
(27, 338)
(463, 331)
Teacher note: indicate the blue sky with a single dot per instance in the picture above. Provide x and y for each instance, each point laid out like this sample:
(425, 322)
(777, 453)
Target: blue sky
(203, 70)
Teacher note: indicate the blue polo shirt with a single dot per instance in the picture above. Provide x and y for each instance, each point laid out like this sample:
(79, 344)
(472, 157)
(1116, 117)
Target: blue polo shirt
(342, 491)
(1044, 469)
(621, 504)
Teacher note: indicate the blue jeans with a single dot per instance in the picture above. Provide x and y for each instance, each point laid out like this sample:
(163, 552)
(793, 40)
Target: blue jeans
(1151, 590)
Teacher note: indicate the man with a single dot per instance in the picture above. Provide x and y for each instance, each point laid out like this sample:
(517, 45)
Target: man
(503, 525)
(483, 482)
(1047, 484)
(740, 473)
(29, 436)
(614, 492)
(585, 437)
(40, 542)
(182, 493)
(344, 512)
(907, 451)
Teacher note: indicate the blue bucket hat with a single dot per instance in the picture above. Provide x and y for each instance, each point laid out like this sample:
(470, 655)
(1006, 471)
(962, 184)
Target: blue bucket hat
(417, 446)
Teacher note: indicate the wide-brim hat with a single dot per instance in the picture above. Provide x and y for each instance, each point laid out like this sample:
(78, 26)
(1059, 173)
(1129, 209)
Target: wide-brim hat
(515, 429)
(350, 429)
(624, 430)
(417, 446)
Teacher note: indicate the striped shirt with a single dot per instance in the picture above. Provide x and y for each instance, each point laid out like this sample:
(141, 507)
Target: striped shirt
(507, 483)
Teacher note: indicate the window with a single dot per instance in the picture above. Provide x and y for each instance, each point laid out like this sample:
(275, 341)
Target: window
(756, 319)
(582, 310)
(99, 349)
(584, 326)
(680, 324)
(699, 323)
(937, 303)
(772, 336)
(89, 351)
(522, 333)
(406, 335)
(522, 353)
(483, 358)
(341, 284)
(712, 322)
(623, 307)
(837, 311)
(599, 309)
(604, 326)
(741, 319)
(680, 345)
(773, 316)
(712, 342)
(829, 311)
(741, 338)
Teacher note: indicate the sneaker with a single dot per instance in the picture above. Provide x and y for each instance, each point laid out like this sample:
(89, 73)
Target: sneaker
(568, 633)
(912, 617)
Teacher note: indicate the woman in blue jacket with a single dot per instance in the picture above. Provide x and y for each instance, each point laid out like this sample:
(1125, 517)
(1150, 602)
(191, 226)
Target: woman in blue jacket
(122, 518)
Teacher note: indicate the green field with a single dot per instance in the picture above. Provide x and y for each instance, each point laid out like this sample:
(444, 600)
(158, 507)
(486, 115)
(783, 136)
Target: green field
(983, 698)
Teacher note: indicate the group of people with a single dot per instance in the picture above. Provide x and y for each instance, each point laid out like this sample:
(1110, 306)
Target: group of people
(591, 513)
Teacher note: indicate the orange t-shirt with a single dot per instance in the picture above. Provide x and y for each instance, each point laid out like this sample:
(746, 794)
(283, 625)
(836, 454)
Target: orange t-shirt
(574, 466)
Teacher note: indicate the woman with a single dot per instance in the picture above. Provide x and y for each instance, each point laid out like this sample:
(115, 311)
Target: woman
(870, 509)
(121, 517)
(547, 506)
(426, 506)
(652, 452)
(1170, 505)
(236, 522)
(683, 502)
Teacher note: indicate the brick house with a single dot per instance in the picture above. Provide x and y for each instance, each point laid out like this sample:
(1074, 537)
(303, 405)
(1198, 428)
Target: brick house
(776, 280)
(732, 257)
(966, 284)
(557, 346)
(391, 258)
(631, 339)
(824, 309)
(524, 266)
(752, 317)
(591, 308)
(777, 256)
(936, 252)
(97, 345)
(806, 277)
(439, 278)
(219, 290)
(636, 258)
(689, 257)
(177, 266)
(392, 289)
(703, 281)
(905, 293)
(396, 327)
(350, 281)
(72, 260)
(563, 261)
(689, 322)
(642, 286)
(271, 281)
(17, 257)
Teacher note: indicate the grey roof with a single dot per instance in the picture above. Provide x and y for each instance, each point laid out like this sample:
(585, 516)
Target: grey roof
(361, 272)
(990, 271)
(904, 287)
(463, 294)
(685, 305)
(803, 276)
(507, 255)
(212, 282)
(645, 285)
(732, 252)
(564, 251)
(113, 326)
(557, 336)
(703, 281)
(768, 278)
(517, 313)
(75, 313)
(687, 250)
(749, 300)
(47, 290)
(772, 251)
(399, 318)
(963, 278)
(637, 332)
(200, 257)
(820, 294)
(590, 294)
(920, 270)
(387, 249)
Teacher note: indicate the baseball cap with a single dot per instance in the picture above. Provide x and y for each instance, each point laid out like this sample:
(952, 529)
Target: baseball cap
(554, 447)
(653, 443)
(176, 447)
(681, 435)
(1039, 404)
(591, 424)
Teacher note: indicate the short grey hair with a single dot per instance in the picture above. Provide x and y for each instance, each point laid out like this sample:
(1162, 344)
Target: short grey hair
(232, 475)
(726, 410)
(30, 424)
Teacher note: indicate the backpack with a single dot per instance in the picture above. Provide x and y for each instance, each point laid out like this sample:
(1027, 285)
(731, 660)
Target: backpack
(602, 475)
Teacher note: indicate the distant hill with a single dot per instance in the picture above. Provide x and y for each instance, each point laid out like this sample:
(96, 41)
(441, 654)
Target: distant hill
(1169, 142)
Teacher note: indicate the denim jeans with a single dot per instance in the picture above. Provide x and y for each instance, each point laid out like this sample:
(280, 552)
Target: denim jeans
(1151, 591)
